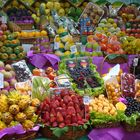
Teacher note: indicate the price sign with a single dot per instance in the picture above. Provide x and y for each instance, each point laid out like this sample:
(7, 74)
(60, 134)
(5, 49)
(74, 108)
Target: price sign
(73, 49)
(1, 80)
(135, 62)
(4, 19)
(86, 99)
(56, 45)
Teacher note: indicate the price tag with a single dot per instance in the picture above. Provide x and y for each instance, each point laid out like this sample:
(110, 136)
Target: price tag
(56, 45)
(86, 99)
(98, 49)
(73, 49)
(1, 80)
(4, 19)
(135, 62)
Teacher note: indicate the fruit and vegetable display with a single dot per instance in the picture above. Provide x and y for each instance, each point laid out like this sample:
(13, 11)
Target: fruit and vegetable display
(8, 77)
(16, 108)
(10, 47)
(65, 109)
(62, 69)
(84, 75)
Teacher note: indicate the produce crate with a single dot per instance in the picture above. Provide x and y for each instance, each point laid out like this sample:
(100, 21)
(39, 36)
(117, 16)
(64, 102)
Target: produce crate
(72, 134)
(131, 128)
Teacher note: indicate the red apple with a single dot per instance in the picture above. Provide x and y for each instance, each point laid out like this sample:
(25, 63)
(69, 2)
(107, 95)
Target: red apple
(1, 32)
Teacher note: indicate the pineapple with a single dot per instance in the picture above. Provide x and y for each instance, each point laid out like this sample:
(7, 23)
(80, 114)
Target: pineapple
(14, 97)
(14, 109)
(7, 117)
(30, 111)
(27, 98)
(23, 104)
(28, 124)
(13, 123)
(20, 117)
(2, 125)
(35, 102)
(3, 103)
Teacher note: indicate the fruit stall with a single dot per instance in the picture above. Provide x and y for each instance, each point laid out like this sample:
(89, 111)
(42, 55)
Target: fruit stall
(69, 69)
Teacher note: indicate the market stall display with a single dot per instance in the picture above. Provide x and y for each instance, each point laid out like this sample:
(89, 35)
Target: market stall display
(80, 73)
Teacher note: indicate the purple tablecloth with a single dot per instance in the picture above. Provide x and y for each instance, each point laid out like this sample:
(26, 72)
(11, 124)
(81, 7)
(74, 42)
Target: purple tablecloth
(98, 62)
(113, 134)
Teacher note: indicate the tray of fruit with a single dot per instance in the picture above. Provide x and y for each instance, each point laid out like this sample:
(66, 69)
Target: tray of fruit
(18, 117)
(83, 74)
(103, 113)
(64, 115)
(92, 11)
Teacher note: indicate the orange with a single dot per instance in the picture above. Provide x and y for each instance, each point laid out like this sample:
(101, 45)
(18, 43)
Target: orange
(37, 34)
(43, 33)
(24, 34)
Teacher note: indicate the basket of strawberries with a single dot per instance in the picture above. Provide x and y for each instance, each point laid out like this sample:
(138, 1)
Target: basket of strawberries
(64, 115)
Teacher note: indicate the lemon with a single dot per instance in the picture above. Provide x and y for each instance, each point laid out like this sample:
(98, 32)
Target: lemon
(37, 4)
(67, 5)
(61, 45)
(57, 5)
(114, 25)
(49, 5)
(121, 106)
(67, 53)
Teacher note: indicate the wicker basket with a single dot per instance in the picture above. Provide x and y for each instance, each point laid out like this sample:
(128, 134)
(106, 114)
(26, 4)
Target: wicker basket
(131, 128)
(107, 125)
(120, 59)
(27, 136)
(28, 40)
(70, 135)
(25, 26)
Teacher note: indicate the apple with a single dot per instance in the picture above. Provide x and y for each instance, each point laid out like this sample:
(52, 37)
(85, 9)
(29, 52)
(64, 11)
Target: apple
(1, 32)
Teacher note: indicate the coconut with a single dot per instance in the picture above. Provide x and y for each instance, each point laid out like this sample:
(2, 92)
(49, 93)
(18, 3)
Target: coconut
(6, 84)
(13, 82)
(13, 73)
(7, 75)
(1, 64)
(4, 91)
(8, 67)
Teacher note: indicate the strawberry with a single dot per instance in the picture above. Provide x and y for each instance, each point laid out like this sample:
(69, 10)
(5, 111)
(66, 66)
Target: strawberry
(63, 112)
(61, 103)
(52, 119)
(70, 103)
(74, 118)
(64, 92)
(47, 123)
(54, 124)
(75, 99)
(80, 122)
(64, 106)
(46, 116)
(57, 102)
(59, 109)
(46, 108)
(79, 118)
(57, 97)
(59, 117)
(68, 120)
(87, 116)
(67, 99)
(52, 112)
(61, 125)
(77, 108)
(53, 104)
(71, 110)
